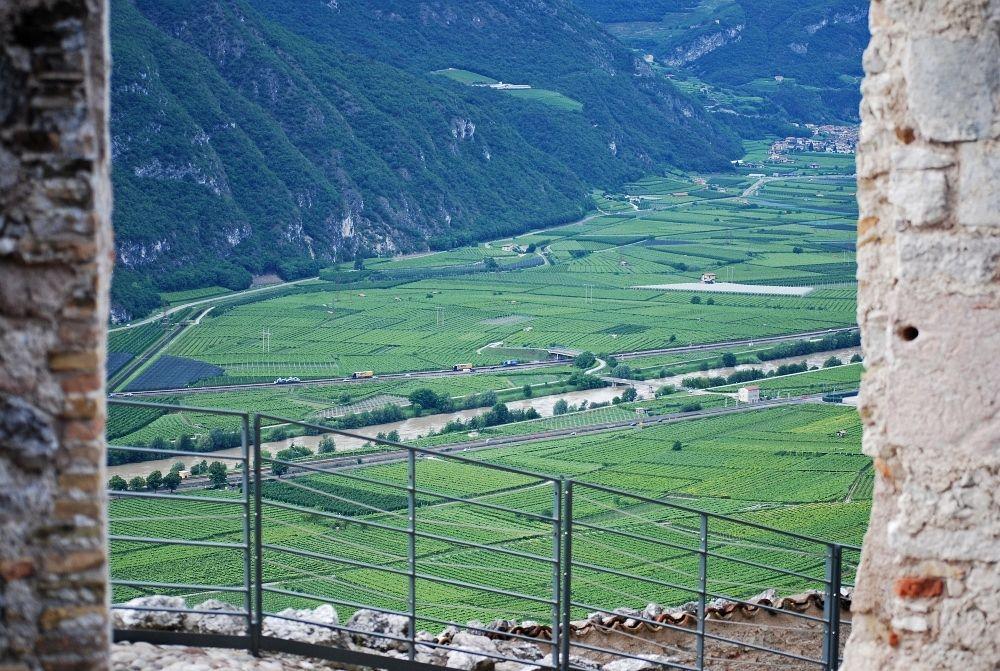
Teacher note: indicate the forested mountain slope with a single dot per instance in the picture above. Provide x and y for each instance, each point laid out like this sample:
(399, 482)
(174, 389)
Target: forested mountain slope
(801, 57)
(254, 136)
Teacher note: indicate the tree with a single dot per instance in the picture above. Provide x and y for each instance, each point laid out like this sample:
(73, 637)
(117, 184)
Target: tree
(490, 263)
(159, 443)
(137, 483)
(154, 480)
(856, 358)
(728, 359)
(710, 301)
(622, 370)
(425, 398)
(696, 299)
(117, 483)
(326, 445)
(172, 480)
(499, 414)
(630, 395)
(831, 362)
(185, 443)
(393, 436)
(278, 469)
(677, 446)
(217, 474)
(359, 262)
(177, 467)
(796, 250)
(527, 391)
(585, 360)
(561, 407)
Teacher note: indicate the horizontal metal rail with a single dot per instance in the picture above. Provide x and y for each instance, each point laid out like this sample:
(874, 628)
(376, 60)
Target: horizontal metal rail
(176, 541)
(419, 534)
(177, 453)
(195, 587)
(177, 408)
(340, 472)
(411, 448)
(176, 497)
(187, 611)
(625, 655)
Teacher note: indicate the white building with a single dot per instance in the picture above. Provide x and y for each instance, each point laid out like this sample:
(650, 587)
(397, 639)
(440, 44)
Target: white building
(749, 394)
(708, 278)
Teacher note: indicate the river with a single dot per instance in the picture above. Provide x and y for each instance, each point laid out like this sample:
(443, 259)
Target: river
(416, 427)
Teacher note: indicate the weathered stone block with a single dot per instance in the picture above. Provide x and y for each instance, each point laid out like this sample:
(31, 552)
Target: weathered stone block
(978, 189)
(920, 195)
(952, 86)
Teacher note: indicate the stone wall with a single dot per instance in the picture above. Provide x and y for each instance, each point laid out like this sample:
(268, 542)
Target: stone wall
(55, 246)
(929, 309)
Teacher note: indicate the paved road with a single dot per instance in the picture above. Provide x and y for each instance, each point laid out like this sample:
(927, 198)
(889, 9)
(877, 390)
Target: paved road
(493, 369)
(203, 301)
(755, 187)
(347, 460)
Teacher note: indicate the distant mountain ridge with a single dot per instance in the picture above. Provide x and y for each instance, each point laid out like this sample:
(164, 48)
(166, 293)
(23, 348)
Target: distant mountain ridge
(802, 56)
(254, 136)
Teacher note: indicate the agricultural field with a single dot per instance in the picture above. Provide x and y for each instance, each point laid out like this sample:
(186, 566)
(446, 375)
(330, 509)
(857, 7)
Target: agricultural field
(583, 299)
(574, 286)
(544, 96)
(784, 467)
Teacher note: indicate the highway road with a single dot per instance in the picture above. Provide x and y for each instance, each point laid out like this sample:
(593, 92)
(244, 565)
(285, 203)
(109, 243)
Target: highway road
(493, 369)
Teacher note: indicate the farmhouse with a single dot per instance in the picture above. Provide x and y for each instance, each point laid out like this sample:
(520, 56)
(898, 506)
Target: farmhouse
(708, 278)
(749, 394)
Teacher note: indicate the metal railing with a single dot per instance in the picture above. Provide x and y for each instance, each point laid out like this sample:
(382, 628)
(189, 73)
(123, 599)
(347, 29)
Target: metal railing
(403, 539)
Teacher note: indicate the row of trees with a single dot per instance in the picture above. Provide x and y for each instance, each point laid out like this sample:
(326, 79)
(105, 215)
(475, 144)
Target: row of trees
(751, 374)
(215, 440)
(498, 414)
(804, 347)
(156, 480)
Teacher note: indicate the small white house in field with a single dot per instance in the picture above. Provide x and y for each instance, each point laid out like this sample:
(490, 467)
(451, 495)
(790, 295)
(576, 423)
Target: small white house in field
(708, 278)
(749, 394)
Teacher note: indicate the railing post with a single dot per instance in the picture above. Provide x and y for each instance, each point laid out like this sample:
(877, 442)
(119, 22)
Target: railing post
(831, 609)
(702, 590)
(567, 575)
(557, 515)
(411, 507)
(257, 625)
(248, 602)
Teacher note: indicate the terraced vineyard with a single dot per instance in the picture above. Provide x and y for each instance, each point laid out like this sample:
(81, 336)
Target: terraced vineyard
(784, 467)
